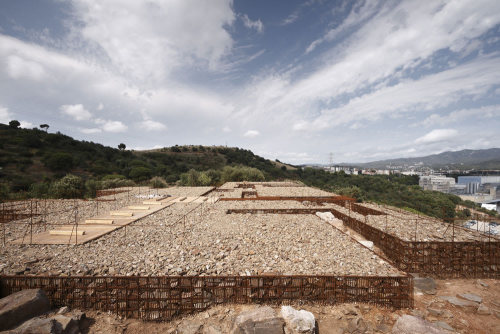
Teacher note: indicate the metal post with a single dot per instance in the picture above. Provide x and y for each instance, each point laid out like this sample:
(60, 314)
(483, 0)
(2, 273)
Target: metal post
(76, 222)
(416, 223)
(31, 222)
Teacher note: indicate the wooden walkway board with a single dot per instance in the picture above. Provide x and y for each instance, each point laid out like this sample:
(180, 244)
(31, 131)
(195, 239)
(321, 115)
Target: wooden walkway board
(138, 207)
(178, 200)
(66, 232)
(92, 229)
(99, 221)
(121, 213)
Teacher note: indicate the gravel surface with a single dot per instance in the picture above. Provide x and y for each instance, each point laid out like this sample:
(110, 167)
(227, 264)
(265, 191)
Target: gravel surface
(208, 242)
(406, 225)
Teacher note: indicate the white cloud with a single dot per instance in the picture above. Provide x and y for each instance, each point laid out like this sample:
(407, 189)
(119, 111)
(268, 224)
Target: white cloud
(360, 13)
(484, 112)
(226, 129)
(437, 135)
(20, 68)
(5, 116)
(257, 25)
(434, 91)
(77, 111)
(150, 125)
(150, 39)
(89, 131)
(26, 125)
(251, 133)
(114, 126)
(100, 106)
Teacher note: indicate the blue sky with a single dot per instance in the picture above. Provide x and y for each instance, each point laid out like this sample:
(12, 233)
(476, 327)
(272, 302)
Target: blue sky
(292, 80)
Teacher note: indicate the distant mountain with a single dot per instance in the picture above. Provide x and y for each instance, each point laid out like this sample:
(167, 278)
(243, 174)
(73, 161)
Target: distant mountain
(465, 159)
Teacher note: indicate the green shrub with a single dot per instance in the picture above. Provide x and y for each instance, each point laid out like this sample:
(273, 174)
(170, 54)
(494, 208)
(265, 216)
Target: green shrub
(4, 192)
(139, 174)
(70, 186)
(59, 161)
(157, 182)
(39, 190)
(91, 188)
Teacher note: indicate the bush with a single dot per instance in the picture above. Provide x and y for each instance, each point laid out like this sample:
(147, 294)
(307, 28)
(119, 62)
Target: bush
(139, 174)
(70, 186)
(59, 161)
(39, 190)
(91, 188)
(4, 192)
(157, 182)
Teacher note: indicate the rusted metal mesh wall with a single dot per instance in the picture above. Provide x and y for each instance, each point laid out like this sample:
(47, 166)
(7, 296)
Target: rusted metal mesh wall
(440, 259)
(454, 259)
(161, 298)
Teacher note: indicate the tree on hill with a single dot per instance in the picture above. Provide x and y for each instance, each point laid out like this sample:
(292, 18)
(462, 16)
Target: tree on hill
(122, 146)
(44, 126)
(14, 124)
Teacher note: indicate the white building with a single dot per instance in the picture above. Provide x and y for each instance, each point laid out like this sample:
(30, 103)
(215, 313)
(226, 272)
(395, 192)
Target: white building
(436, 182)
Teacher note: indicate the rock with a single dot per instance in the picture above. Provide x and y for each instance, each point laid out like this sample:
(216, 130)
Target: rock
(444, 325)
(471, 297)
(483, 310)
(189, 327)
(482, 283)
(212, 330)
(426, 285)
(77, 315)
(366, 243)
(356, 325)
(259, 320)
(465, 304)
(434, 311)
(447, 314)
(66, 324)
(22, 305)
(408, 324)
(63, 310)
(383, 327)
(37, 326)
(297, 322)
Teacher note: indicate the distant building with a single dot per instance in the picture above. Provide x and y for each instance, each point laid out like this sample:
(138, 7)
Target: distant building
(480, 184)
(438, 183)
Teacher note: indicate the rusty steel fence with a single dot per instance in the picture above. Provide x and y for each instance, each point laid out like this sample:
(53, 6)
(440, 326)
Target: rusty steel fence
(454, 259)
(161, 298)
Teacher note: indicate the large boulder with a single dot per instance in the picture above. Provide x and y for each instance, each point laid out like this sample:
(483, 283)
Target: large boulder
(262, 320)
(409, 324)
(21, 306)
(298, 322)
(36, 326)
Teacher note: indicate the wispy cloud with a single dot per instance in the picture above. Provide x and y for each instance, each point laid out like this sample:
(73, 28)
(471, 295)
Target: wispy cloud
(437, 135)
(257, 24)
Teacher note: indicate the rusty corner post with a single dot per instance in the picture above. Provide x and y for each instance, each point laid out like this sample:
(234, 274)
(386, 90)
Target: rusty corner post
(31, 222)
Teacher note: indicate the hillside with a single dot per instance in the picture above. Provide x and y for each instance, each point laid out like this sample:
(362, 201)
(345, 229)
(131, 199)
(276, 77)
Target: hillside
(464, 159)
(34, 163)
(31, 155)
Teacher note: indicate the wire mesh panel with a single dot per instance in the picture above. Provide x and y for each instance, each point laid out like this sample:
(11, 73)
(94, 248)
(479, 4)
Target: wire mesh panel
(471, 259)
(161, 298)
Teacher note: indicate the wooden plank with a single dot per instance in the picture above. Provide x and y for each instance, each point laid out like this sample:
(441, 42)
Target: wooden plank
(66, 232)
(121, 213)
(150, 202)
(138, 207)
(99, 221)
